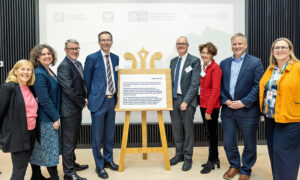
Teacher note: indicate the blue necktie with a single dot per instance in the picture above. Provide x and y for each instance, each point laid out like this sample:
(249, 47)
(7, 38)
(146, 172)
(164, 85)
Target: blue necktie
(176, 78)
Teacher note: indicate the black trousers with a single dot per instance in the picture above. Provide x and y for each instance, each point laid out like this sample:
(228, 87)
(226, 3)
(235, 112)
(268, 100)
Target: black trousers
(20, 159)
(211, 127)
(70, 127)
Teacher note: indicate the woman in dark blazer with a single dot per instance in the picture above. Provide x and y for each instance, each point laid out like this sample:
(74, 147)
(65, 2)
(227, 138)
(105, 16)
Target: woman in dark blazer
(18, 113)
(210, 87)
(46, 153)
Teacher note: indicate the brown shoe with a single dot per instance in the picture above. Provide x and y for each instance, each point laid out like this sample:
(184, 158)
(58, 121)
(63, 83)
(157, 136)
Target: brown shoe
(230, 173)
(244, 177)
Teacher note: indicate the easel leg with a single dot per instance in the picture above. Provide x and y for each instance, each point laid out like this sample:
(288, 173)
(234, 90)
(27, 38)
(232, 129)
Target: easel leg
(163, 139)
(124, 141)
(144, 134)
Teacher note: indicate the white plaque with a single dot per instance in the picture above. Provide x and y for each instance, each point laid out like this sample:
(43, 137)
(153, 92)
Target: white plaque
(143, 91)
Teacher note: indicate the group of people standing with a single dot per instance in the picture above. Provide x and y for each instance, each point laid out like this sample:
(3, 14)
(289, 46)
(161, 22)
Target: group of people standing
(240, 86)
(41, 113)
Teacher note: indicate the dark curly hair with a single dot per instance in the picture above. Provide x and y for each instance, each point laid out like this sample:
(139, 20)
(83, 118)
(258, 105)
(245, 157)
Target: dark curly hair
(36, 52)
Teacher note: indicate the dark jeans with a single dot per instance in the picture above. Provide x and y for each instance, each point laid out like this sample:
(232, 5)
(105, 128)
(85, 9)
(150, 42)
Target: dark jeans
(20, 159)
(248, 127)
(211, 127)
(283, 141)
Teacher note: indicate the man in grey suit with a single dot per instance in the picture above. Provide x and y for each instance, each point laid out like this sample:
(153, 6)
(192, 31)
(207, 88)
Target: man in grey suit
(185, 71)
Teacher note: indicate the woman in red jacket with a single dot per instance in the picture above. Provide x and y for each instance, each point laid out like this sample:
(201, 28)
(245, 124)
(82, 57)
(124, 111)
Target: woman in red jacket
(210, 85)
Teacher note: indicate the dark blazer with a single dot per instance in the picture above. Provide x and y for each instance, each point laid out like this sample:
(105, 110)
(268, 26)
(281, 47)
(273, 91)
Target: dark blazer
(247, 86)
(13, 122)
(189, 81)
(95, 78)
(73, 89)
(48, 93)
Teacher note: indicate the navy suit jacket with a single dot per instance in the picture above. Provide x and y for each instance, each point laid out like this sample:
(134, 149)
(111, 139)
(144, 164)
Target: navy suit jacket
(48, 94)
(247, 86)
(95, 78)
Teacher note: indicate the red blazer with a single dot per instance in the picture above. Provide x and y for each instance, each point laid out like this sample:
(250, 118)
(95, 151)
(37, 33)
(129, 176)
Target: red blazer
(210, 87)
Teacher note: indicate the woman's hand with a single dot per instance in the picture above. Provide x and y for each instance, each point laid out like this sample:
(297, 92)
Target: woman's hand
(207, 116)
(56, 124)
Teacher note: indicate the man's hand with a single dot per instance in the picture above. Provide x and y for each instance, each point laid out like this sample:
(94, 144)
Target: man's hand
(238, 104)
(183, 106)
(86, 102)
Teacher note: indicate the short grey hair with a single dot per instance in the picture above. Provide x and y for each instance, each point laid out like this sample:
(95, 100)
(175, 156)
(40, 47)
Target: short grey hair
(239, 35)
(74, 41)
(182, 37)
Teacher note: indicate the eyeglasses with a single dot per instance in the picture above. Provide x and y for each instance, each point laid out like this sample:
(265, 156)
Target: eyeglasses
(105, 40)
(73, 49)
(283, 48)
(181, 44)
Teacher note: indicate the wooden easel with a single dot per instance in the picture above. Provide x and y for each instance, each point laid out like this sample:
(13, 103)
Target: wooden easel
(144, 149)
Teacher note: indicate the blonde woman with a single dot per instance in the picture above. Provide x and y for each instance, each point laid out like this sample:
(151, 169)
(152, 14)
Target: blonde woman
(279, 99)
(18, 113)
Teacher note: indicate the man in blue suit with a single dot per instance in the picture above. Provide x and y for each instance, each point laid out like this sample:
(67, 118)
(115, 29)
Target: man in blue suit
(101, 79)
(240, 109)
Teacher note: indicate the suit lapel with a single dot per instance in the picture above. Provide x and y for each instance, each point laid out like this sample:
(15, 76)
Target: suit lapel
(186, 64)
(242, 70)
(101, 64)
(72, 65)
(228, 69)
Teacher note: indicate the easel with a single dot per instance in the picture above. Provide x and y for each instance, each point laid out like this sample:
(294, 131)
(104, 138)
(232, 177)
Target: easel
(144, 149)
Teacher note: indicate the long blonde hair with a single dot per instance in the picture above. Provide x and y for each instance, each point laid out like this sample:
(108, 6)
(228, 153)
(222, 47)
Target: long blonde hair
(292, 56)
(13, 78)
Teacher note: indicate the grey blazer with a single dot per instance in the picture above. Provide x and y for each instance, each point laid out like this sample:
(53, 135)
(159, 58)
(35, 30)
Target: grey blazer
(189, 81)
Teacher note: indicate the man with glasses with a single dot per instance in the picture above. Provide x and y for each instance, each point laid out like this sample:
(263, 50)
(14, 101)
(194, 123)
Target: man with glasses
(101, 79)
(70, 78)
(240, 109)
(185, 72)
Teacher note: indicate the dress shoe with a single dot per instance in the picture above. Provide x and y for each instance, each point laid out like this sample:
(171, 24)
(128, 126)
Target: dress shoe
(79, 167)
(230, 173)
(187, 165)
(111, 165)
(102, 173)
(73, 177)
(175, 160)
(244, 177)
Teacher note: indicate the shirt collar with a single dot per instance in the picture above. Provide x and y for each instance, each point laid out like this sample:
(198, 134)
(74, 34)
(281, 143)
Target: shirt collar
(184, 56)
(103, 53)
(71, 60)
(240, 59)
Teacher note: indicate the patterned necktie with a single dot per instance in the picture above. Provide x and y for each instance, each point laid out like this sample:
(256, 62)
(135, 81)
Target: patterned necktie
(176, 78)
(79, 68)
(109, 76)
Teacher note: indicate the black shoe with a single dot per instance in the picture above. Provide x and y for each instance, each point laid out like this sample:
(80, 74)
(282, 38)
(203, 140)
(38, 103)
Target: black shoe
(217, 162)
(187, 165)
(79, 167)
(102, 173)
(73, 177)
(208, 167)
(111, 165)
(175, 160)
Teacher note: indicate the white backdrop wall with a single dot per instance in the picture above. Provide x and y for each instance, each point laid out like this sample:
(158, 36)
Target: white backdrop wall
(154, 25)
